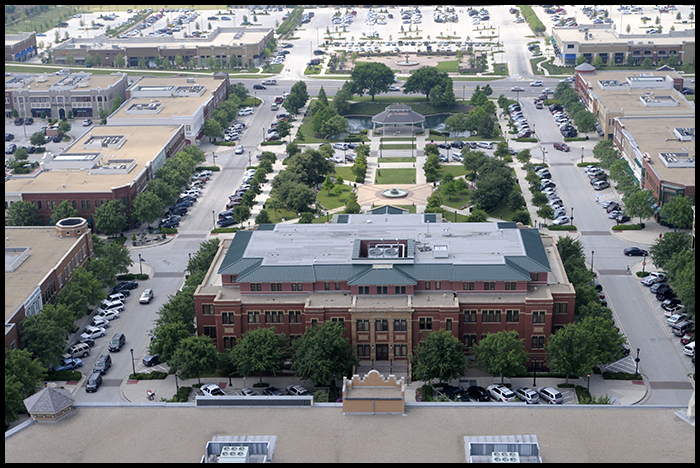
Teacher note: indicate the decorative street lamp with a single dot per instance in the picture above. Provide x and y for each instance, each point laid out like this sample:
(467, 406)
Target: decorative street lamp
(592, 252)
(133, 367)
(636, 364)
(534, 378)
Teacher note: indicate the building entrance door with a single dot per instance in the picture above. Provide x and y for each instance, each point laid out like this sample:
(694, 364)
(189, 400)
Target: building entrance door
(382, 352)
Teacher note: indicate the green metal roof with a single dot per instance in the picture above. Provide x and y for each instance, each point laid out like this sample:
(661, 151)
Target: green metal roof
(236, 250)
(382, 276)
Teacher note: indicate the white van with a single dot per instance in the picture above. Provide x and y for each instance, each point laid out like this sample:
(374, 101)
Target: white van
(601, 184)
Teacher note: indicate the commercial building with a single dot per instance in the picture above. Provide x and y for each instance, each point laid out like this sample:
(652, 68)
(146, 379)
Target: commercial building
(232, 46)
(186, 101)
(591, 41)
(105, 163)
(389, 278)
(83, 94)
(20, 47)
(39, 261)
(650, 122)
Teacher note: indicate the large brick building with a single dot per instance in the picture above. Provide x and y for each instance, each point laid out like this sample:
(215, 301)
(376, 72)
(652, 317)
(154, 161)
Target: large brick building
(389, 279)
(105, 163)
(39, 262)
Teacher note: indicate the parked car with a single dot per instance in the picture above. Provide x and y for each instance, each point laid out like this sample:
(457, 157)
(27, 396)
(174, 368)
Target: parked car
(622, 219)
(125, 285)
(69, 364)
(455, 393)
(635, 252)
(151, 360)
(297, 390)
(527, 395)
(477, 393)
(272, 391)
(671, 304)
(87, 122)
(146, 296)
(249, 392)
(93, 332)
(99, 322)
(659, 288)
(80, 348)
(501, 393)
(225, 222)
(212, 390)
(550, 395)
(562, 221)
(676, 318)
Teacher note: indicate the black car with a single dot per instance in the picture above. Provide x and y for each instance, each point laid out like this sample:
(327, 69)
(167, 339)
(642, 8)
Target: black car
(226, 222)
(635, 252)
(11, 149)
(178, 210)
(622, 219)
(31, 149)
(477, 393)
(170, 223)
(126, 285)
(318, 52)
(670, 303)
(19, 121)
(688, 90)
(9, 137)
(667, 294)
(28, 121)
(149, 361)
(57, 139)
(657, 288)
(272, 391)
(455, 393)
(259, 86)
(457, 144)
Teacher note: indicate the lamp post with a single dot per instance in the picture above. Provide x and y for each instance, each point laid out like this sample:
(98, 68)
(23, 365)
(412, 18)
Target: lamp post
(592, 252)
(372, 357)
(177, 387)
(588, 384)
(249, 163)
(133, 367)
(636, 364)
(140, 264)
(213, 156)
(213, 217)
(572, 215)
(534, 369)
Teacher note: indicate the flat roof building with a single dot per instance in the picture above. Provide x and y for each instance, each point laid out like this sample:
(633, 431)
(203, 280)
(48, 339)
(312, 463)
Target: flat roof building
(389, 279)
(186, 101)
(84, 94)
(39, 261)
(591, 40)
(105, 163)
(244, 45)
(650, 122)
(20, 47)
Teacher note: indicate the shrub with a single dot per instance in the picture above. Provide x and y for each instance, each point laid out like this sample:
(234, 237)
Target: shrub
(63, 375)
(210, 168)
(155, 375)
(567, 227)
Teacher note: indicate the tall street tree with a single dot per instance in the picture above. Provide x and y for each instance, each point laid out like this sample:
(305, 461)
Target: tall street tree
(147, 207)
(322, 352)
(110, 217)
(62, 211)
(196, 356)
(23, 213)
(260, 350)
(501, 354)
(439, 356)
(371, 78)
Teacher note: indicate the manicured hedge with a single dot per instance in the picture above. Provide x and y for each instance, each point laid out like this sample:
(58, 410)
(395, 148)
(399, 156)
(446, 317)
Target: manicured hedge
(532, 19)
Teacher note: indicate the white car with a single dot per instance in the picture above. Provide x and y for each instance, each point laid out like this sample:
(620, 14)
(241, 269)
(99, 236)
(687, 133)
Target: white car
(212, 390)
(536, 83)
(561, 221)
(517, 89)
(653, 277)
(109, 315)
(457, 157)
(501, 393)
(146, 296)
(90, 333)
(485, 144)
(100, 322)
(249, 392)
(239, 150)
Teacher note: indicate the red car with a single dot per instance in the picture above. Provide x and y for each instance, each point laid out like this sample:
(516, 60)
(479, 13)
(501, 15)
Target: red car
(561, 147)
(685, 339)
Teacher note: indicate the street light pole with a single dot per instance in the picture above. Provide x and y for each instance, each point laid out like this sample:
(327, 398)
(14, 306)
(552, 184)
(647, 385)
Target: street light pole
(140, 264)
(592, 252)
(534, 378)
(636, 364)
(133, 367)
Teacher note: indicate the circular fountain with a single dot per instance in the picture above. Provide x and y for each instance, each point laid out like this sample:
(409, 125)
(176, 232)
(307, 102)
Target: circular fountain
(394, 193)
(406, 62)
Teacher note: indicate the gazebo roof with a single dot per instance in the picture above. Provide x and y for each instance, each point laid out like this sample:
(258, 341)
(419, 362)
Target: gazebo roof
(398, 114)
(48, 400)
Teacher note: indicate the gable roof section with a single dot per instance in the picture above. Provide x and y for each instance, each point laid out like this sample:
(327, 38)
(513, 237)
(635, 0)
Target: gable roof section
(534, 252)
(382, 276)
(236, 250)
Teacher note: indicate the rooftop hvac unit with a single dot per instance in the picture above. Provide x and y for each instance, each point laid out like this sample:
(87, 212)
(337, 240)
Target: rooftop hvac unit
(234, 454)
(375, 252)
(505, 457)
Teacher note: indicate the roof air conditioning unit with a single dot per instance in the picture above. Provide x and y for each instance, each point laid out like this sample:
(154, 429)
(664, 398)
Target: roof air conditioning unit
(234, 454)
(505, 457)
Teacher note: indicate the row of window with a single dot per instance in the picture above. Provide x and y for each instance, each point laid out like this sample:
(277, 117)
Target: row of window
(383, 290)
(365, 350)
(424, 323)
(84, 204)
(470, 340)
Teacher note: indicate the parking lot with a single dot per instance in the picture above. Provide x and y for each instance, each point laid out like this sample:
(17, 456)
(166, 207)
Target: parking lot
(22, 133)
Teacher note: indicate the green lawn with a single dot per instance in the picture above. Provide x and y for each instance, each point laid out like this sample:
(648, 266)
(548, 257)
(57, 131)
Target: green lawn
(396, 160)
(395, 176)
(398, 146)
(345, 172)
(449, 66)
(330, 201)
(458, 200)
(456, 171)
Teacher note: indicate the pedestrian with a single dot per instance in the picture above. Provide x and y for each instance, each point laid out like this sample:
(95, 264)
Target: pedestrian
(661, 235)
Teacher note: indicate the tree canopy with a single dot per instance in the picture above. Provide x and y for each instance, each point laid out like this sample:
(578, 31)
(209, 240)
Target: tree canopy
(439, 356)
(260, 350)
(322, 352)
(371, 78)
(501, 353)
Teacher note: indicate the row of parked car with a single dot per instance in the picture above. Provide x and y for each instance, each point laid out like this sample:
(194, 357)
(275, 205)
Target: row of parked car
(562, 120)
(516, 115)
(549, 188)
(213, 390)
(501, 393)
